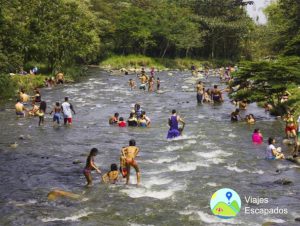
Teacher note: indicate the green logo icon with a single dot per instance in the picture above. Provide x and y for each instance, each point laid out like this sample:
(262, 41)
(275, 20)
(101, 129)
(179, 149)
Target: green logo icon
(225, 203)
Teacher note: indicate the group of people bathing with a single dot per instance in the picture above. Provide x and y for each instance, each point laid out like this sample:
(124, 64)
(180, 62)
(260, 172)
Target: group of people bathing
(128, 154)
(210, 95)
(127, 160)
(39, 108)
(146, 80)
(137, 118)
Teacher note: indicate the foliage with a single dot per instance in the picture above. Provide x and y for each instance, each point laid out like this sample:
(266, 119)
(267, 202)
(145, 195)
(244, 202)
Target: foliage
(267, 80)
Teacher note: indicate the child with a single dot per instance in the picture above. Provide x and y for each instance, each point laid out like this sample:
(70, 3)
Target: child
(131, 84)
(111, 176)
(90, 165)
(57, 111)
(250, 119)
(114, 119)
(122, 123)
(41, 112)
(158, 84)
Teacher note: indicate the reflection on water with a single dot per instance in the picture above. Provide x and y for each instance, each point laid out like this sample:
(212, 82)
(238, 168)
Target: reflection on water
(178, 177)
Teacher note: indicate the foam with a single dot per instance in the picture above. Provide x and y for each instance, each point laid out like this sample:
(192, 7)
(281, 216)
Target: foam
(232, 135)
(156, 181)
(163, 160)
(187, 166)
(213, 154)
(213, 184)
(238, 170)
(73, 218)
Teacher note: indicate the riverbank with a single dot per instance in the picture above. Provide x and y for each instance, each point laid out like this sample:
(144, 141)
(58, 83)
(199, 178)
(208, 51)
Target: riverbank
(131, 62)
(10, 84)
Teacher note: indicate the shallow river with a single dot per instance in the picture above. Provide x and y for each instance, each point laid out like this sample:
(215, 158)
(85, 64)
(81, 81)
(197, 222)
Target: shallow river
(178, 177)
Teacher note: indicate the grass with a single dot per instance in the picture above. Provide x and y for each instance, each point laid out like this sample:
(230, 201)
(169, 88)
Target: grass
(132, 61)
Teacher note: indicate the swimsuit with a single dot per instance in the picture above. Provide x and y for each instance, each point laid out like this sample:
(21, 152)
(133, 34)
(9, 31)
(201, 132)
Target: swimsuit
(20, 113)
(56, 117)
(133, 163)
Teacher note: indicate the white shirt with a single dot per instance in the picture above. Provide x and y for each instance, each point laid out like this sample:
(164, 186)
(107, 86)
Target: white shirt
(298, 121)
(67, 109)
(269, 152)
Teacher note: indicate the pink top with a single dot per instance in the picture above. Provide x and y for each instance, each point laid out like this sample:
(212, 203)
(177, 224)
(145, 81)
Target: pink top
(257, 138)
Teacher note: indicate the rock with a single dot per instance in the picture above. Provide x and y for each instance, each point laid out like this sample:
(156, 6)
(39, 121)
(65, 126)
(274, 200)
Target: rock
(15, 145)
(283, 181)
(55, 194)
(170, 74)
(269, 224)
(297, 219)
(77, 161)
(22, 137)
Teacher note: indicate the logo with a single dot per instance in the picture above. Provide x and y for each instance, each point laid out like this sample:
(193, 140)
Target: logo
(225, 203)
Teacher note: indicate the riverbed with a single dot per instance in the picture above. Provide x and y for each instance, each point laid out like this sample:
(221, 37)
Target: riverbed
(178, 176)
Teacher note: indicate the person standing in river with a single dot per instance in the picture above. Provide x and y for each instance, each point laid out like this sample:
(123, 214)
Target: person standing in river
(199, 89)
(173, 123)
(67, 109)
(90, 166)
(129, 154)
(216, 95)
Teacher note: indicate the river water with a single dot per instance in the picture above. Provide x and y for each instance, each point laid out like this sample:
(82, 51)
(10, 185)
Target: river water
(178, 177)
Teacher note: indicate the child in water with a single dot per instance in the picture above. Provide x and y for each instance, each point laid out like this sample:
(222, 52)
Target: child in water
(257, 137)
(111, 176)
(90, 165)
(121, 122)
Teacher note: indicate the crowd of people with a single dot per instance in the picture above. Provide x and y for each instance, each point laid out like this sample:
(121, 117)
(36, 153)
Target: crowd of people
(138, 118)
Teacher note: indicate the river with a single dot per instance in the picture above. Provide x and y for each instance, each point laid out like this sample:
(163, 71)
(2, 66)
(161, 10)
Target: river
(178, 177)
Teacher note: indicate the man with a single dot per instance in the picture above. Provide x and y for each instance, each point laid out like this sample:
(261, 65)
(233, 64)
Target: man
(199, 89)
(24, 98)
(20, 109)
(193, 69)
(60, 78)
(129, 154)
(216, 95)
(67, 109)
(235, 115)
(144, 79)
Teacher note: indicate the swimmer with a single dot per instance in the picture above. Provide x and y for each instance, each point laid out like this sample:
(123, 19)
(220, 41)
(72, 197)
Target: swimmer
(132, 84)
(200, 91)
(37, 96)
(257, 137)
(250, 119)
(157, 84)
(144, 80)
(273, 153)
(235, 115)
(20, 109)
(152, 71)
(57, 111)
(121, 122)
(243, 105)
(24, 98)
(67, 110)
(151, 84)
(60, 78)
(144, 121)
(216, 95)
(114, 119)
(34, 110)
(132, 120)
(138, 110)
(206, 96)
(90, 166)
(173, 123)
(41, 112)
(129, 154)
(290, 128)
(112, 176)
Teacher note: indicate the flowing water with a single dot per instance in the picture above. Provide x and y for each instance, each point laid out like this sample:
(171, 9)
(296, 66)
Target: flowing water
(178, 177)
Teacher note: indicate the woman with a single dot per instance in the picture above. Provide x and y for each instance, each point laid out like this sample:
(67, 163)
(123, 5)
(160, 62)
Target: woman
(132, 120)
(290, 128)
(273, 153)
(173, 123)
(90, 165)
(257, 137)
(250, 119)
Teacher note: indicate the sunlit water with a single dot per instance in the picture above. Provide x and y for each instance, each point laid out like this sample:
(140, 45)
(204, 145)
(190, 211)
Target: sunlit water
(178, 177)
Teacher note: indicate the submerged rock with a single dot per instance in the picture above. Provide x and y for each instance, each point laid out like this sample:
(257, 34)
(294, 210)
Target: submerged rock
(77, 161)
(283, 181)
(297, 219)
(15, 145)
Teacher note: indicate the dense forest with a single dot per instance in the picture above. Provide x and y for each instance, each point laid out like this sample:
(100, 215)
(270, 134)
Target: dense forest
(61, 32)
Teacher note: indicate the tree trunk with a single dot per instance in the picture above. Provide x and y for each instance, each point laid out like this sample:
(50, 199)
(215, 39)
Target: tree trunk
(165, 50)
